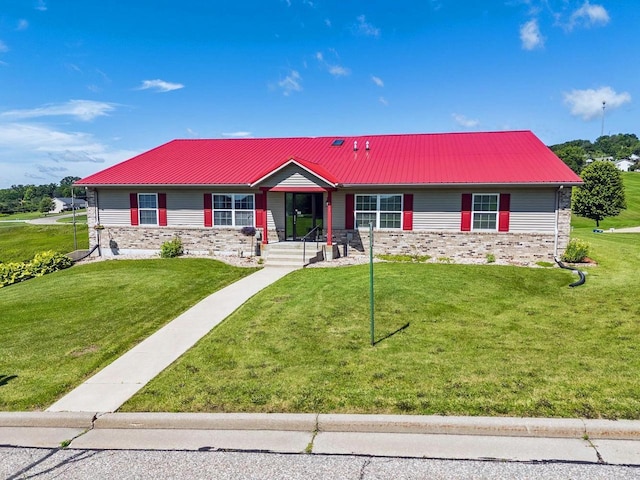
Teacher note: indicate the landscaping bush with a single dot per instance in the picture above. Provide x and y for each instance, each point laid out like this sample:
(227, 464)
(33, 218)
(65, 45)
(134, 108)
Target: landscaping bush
(576, 251)
(172, 248)
(41, 264)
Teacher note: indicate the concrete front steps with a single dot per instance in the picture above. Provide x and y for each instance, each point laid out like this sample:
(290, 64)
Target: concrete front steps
(289, 254)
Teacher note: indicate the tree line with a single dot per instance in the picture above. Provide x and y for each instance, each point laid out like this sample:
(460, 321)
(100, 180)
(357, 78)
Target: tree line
(575, 153)
(34, 198)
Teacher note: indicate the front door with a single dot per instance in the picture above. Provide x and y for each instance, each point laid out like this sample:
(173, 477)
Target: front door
(303, 213)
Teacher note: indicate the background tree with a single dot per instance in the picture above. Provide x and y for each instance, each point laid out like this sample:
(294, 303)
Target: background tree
(46, 205)
(574, 156)
(602, 194)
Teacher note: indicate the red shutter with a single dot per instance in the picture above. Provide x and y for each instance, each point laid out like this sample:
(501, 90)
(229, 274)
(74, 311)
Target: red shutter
(407, 212)
(133, 208)
(465, 216)
(208, 210)
(162, 209)
(348, 211)
(503, 216)
(260, 209)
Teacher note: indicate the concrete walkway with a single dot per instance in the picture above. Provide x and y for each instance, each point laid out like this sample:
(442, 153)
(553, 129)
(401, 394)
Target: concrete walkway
(115, 384)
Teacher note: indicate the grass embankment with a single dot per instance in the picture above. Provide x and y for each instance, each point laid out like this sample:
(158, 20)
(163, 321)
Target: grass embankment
(59, 329)
(20, 242)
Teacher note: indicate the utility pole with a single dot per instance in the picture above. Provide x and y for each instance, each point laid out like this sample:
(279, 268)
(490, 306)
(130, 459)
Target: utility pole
(603, 107)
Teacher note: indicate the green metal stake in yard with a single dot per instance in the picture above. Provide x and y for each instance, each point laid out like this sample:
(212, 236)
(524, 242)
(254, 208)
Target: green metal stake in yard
(371, 283)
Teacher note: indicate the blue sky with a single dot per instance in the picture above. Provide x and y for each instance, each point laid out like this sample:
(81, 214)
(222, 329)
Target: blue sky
(86, 84)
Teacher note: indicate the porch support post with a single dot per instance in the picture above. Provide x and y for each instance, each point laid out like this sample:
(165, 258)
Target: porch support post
(329, 219)
(265, 239)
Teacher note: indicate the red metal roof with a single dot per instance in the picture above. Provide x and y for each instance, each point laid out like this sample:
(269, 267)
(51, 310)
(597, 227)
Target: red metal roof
(517, 157)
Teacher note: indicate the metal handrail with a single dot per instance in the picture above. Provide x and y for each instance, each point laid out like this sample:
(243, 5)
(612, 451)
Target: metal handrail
(304, 243)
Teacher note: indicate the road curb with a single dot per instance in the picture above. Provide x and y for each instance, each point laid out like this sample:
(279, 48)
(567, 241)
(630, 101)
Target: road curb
(304, 422)
(357, 423)
(47, 419)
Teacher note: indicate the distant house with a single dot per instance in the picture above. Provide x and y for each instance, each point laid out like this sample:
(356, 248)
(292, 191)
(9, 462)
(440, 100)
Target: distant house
(462, 196)
(62, 204)
(624, 165)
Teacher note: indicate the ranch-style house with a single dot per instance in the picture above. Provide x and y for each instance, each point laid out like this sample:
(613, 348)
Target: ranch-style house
(462, 196)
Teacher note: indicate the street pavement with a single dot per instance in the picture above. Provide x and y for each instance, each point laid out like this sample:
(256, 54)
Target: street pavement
(72, 464)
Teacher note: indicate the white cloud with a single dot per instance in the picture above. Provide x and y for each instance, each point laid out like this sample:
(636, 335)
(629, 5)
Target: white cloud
(334, 69)
(237, 134)
(383, 101)
(159, 86)
(587, 104)
(377, 80)
(588, 16)
(338, 71)
(40, 5)
(463, 121)
(30, 150)
(22, 24)
(364, 28)
(84, 110)
(327, 22)
(291, 83)
(530, 35)
(3, 47)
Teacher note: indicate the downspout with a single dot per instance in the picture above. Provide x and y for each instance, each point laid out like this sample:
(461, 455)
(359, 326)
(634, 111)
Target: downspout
(97, 217)
(556, 223)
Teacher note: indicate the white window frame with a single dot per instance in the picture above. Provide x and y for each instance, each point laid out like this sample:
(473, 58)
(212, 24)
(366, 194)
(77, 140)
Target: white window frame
(147, 209)
(377, 211)
(495, 212)
(233, 210)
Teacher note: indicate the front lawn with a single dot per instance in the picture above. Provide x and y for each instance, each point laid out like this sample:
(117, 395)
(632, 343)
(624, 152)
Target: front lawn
(59, 329)
(20, 242)
(471, 340)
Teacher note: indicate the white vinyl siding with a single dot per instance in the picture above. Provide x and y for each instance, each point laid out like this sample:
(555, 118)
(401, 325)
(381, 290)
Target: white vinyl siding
(293, 176)
(436, 210)
(275, 211)
(185, 208)
(533, 211)
(114, 207)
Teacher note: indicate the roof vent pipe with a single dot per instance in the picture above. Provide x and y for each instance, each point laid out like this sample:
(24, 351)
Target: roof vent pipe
(355, 145)
(367, 145)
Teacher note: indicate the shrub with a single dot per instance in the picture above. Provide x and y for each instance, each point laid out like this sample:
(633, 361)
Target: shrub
(172, 248)
(491, 258)
(576, 251)
(41, 264)
(248, 231)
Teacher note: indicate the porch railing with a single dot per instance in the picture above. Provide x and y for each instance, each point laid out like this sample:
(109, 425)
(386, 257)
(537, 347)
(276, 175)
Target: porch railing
(307, 237)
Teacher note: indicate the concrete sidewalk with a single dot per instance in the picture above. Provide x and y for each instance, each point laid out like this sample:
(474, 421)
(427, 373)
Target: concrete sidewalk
(437, 437)
(115, 384)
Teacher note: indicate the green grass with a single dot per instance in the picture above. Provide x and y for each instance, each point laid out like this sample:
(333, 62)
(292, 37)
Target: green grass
(471, 340)
(59, 329)
(20, 242)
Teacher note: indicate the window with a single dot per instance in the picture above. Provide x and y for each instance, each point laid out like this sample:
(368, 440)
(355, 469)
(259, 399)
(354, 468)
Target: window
(148, 208)
(485, 211)
(233, 210)
(384, 211)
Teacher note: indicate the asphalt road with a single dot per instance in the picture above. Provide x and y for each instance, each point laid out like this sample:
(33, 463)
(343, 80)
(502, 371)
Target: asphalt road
(25, 463)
